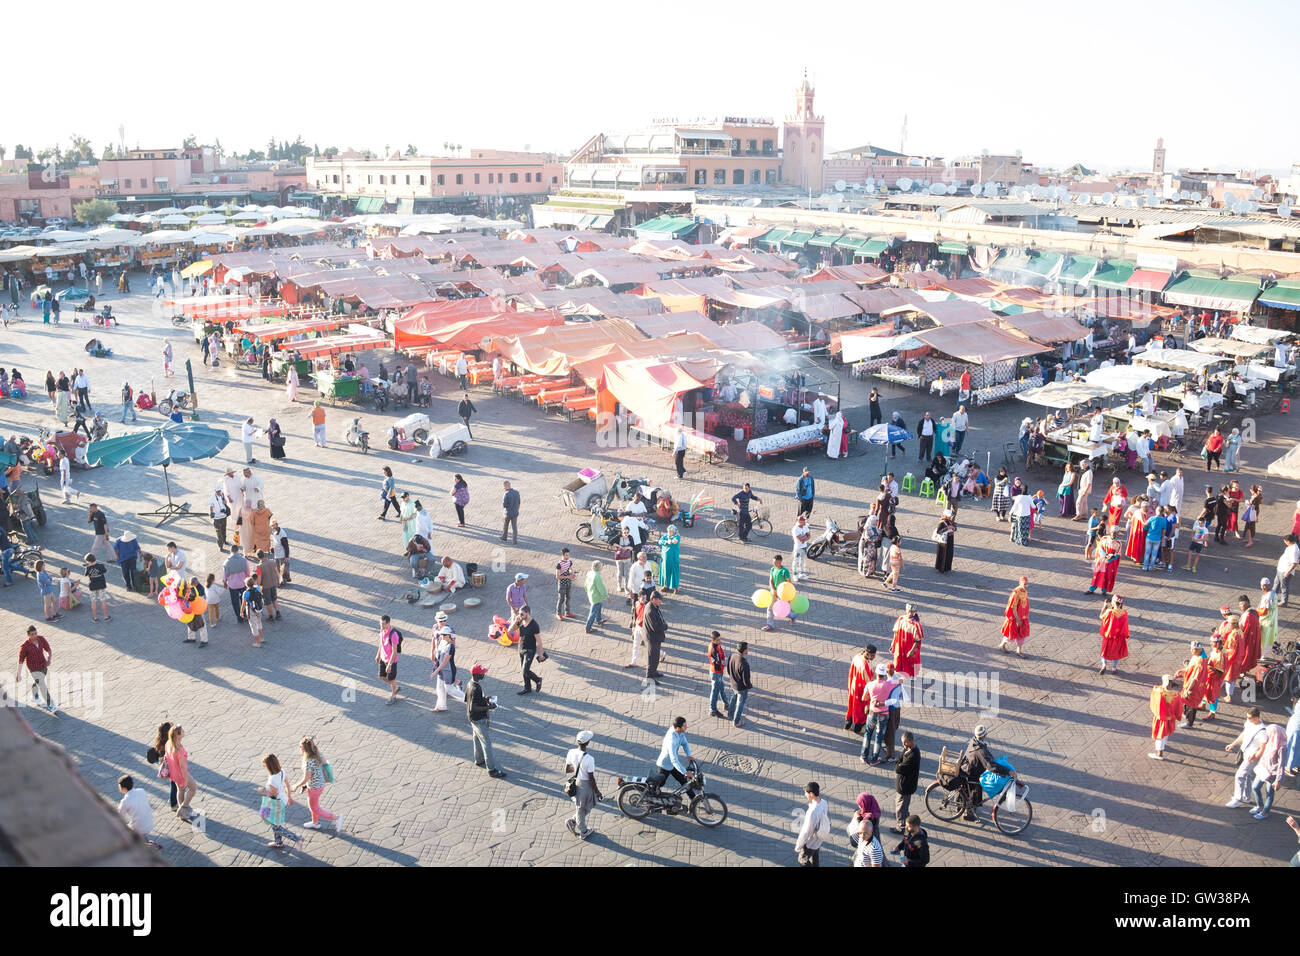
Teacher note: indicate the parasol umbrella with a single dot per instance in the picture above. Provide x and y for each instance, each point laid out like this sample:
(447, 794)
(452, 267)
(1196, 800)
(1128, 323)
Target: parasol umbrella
(72, 294)
(173, 442)
(885, 435)
(194, 269)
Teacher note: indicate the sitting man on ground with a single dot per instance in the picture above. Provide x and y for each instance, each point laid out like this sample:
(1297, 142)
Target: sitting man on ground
(451, 576)
(418, 552)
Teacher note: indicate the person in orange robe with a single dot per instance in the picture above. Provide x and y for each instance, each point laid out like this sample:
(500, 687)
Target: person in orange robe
(1114, 634)
(1215, 664)
(1250, 632)
(906, 647)
(1114, 502)
(1233, 648)
(855, 719)
(1137, 531)
(1015, 629)
(1166, 705)
(1195, 674)
(1105, 566)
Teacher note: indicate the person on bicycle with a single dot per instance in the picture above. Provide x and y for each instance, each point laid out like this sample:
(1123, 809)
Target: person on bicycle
(669, 763)
(974, 761)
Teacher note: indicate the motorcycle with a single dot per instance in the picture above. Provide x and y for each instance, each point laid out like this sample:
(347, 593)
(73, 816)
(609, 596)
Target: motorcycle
(602, 526)
(638, 797)
(840, 544)
(358, 437)
(177, 399)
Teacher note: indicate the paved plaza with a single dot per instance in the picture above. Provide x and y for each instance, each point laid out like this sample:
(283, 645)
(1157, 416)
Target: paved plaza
(406, 785)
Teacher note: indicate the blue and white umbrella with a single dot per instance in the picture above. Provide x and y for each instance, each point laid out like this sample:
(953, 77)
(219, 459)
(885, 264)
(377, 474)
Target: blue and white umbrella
(884, 434)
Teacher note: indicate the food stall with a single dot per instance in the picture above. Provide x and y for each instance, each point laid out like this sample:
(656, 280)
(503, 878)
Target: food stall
(1072, 441)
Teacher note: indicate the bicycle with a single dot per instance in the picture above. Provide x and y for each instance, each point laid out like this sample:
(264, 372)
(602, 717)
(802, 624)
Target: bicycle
(1283, 674)
(947, 798)
(728, 528)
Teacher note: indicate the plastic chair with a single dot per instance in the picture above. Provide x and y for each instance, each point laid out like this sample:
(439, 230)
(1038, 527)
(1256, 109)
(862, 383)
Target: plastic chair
(941, 499)
(927, 487)
(1009, 449)
(909, 482)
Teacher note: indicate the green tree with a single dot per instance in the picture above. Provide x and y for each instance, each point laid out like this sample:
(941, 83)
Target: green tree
(109, 153)
(94, 211)
(330, 152)
(190, 142)
(3, 149)
(22, 152)
(81, 148)
(255, 154)
(411, 150)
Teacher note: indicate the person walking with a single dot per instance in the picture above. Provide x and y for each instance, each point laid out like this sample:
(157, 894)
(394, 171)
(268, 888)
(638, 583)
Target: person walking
(98, 522)
(945, 534)
(1286, 566)
(219, 511)
(48, 591)
(177, 760)
(563, 585)
(741, 683)
(907, 771)
(318, 425)
(873, 401)
(388, 495)
(914, 848)
(247, 435)
(128, 402)
(1166, 708)
(1114, 634)
(960, 424)
(805, 491)
(597, 592)
(744, 521)
(1251, 742)
(1268, 771)
(1015, 629)
(582, 786)
(135, 811)
(460, 498)
(1212, 449)
(276, 799)
(530, 649)
(390, 648)
(670, 547)
(291, 383)
(925, 430)
(36, 655)
(801, 536)
(656, 629)
(234, 578)
(444, 663)
(877, 696)
(510, 512)
(816, 827)
(465, 409)
(127, 550)
(478, 707)
(717, 676)
(679, 453)
(315, 774)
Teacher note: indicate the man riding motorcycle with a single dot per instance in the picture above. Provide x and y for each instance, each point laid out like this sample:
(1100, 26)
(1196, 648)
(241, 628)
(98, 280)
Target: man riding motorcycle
(669, 763)
(976, 759)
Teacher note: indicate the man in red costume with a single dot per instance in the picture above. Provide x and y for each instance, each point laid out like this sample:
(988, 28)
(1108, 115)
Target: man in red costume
(1195, 674)
(1105, 566)
(906, 647)
(1233, 651)
(1215, 664)
(1250, 632)
(1166, 705)
(1015, 629)
(860, 673)
(1114, 635)
(1114, 503)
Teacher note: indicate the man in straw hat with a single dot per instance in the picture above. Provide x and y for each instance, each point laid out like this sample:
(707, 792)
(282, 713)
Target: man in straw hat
(582, 787)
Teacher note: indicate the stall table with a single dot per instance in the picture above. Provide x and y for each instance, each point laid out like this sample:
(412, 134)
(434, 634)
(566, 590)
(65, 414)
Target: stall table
(334, 386)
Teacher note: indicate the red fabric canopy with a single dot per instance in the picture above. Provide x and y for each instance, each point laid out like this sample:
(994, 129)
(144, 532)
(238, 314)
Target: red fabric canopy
(649, 388)
(1150, 280)
(417, 325)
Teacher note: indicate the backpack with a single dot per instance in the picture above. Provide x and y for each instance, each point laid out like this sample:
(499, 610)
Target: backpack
(127, 393)
(399, 639)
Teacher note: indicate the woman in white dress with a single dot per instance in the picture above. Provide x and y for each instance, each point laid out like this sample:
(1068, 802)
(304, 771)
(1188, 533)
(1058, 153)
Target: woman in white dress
(444, 660)
(834, 438)
(292, 387)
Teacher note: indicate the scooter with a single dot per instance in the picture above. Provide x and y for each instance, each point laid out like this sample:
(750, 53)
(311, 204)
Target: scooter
(639, 797)
(179, 398)
(840, 544)
(358, 437)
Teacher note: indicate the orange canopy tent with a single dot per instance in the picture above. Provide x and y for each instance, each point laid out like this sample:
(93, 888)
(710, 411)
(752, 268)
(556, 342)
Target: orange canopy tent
(468, 334)
(649, 387)
(416, 327)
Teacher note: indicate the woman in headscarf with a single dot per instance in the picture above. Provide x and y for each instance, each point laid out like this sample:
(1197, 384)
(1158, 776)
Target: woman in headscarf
(1136, 516)
(1267, 610)
(1022, 512)
(1230, 449)
(408, 517)
(291, 379)
(1001, 494)
(869, 545)
(275, 438)
(944, 541)
(868, 807)
(670, 545)
(259, 521)
(835, 436)
(1065, 491)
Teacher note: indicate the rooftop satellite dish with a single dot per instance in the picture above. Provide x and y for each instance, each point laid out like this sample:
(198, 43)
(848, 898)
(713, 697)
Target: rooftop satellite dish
(840, 185)
(1196, 197)
(870, 187)
(984, 152)
(1284, 211)
(1108, 198)
(904, 184)
(1257, 194)
(952, 189)
(1207, 202)
(938, 189)
(754, 202)
(869, 181)
(1183, 195)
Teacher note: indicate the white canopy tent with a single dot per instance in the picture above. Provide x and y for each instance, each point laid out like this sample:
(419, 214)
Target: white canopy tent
(1179, 360)
(211, 219)
(1288, 466)
(1123, 379)
(1064, 394)
(1233, 347)
(855, 348)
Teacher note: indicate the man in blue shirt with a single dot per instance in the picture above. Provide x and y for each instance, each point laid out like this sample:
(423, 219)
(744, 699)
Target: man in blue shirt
(669, 763)
(805, 489)
(741, 500)
(510, 504)
(1155, 538)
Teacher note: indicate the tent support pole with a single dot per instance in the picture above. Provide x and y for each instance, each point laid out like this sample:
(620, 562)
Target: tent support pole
(170, 510)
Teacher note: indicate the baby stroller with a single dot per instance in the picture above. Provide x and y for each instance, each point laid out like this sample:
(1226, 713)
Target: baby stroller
(97, 349)
(105, 317)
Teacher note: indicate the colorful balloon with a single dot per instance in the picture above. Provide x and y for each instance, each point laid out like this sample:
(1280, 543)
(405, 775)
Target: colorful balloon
(786, 592)
(781, 609)
(199, 605)
(185, 618)
(799, 605)
(762, 599)
(174, 611)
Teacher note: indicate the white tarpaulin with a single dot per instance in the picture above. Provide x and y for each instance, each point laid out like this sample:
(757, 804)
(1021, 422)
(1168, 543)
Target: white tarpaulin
(1234, 347)
(1124, 378)
(1063, 394)
(1181, 360)
(1288, 466)
(1253, 333)
(855, 348)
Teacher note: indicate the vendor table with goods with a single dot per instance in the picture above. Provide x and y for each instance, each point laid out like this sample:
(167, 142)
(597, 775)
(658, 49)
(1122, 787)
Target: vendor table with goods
(1193, 402)
(1160, 425)
(1072, 442)
(995, 393)
(781, 443)
(334, 386)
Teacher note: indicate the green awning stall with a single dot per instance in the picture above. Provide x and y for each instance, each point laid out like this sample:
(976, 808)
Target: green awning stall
(824, 240)
(1283, 295)
(950, 248)
(1114, 274)
(797, 239)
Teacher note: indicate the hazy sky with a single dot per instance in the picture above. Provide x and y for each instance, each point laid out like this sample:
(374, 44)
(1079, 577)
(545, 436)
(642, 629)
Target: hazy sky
(1094, 83)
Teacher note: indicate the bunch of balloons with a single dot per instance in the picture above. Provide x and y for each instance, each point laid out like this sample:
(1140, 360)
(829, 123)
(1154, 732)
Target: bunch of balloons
(180, 602)
(786, 601)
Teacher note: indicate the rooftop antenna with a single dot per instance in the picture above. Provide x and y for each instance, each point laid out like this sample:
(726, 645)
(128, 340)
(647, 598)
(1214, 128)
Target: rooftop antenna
(121, 139)
(902, 139)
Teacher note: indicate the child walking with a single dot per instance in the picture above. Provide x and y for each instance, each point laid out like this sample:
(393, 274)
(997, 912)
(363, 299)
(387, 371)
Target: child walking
(216, 597)
(314, 777)
(275, 800)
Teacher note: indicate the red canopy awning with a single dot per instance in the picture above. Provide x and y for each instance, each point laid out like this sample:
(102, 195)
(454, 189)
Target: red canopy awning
(417, 326)
(1148, 280)
(649, 387)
